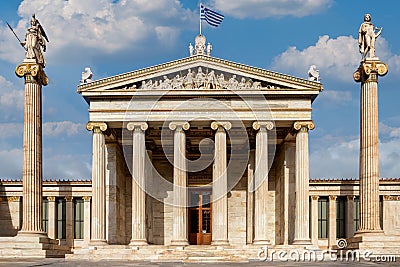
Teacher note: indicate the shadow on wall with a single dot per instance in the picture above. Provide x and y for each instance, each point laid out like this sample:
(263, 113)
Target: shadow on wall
(9, 214)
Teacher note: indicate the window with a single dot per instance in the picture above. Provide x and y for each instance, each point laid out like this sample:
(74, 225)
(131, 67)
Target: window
(45, 214)
(340, 217)
(323, 217)
(356, 213)
(78, 218)
(61, 219)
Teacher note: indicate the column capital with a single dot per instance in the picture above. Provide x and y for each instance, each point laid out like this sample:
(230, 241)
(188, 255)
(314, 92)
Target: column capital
(268, 125)
(133, 125)
(51, 198)
(224, 124)
(350, 197)
(31, 69)
(13, 199)
(315, 197)
(179, 124)
(86, 198)
(332, 198)
(96, 126)
(68, 198)
(304, 125)
(368, 67)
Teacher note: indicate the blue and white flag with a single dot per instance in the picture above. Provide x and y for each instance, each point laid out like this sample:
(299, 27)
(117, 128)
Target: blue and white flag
(213, 18)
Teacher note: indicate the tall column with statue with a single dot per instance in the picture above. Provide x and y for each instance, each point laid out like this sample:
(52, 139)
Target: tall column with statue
(32, 70)
(367, 74)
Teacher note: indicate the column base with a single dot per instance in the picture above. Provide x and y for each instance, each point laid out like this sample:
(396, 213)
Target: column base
(179, 243)
(98, 243)
(32, 234)
(220, 243)
(138, 242)
(261, 242)
(368, 232)
(302, 242)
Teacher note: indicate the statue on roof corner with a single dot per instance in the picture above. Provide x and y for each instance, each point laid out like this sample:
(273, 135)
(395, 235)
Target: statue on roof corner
(35, 41)
(367, 36)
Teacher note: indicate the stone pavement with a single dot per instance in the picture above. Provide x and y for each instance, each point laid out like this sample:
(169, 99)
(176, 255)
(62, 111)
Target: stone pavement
(63, 262)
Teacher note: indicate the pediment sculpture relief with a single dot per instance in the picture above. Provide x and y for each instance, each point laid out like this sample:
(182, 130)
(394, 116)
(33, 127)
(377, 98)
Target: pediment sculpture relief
(202, 80)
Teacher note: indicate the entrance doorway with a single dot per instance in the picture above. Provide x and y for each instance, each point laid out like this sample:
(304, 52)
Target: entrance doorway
(200, 217)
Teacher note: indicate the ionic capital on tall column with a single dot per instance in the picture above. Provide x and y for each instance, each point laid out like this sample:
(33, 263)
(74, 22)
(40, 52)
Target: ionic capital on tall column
(138, 183)
(303, 125)
(96, 127)
(369, 70)
(220, 125)
(263, 125)
(179, 210)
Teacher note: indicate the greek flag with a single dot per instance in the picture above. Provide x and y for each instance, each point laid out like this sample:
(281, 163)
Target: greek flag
(213, 18)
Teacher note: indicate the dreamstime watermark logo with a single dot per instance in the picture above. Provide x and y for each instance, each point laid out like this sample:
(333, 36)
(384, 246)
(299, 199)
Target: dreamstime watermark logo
(340, 254)
(168, 121)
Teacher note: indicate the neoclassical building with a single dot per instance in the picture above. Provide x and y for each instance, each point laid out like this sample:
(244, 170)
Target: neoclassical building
(199, 156)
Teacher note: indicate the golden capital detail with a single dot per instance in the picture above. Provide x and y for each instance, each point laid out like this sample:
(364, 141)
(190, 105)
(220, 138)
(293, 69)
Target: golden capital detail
(224, 124)
(133, 125)
(370, 68)
(86, 198)
(174, 125)
(315, 197)
(96, 126)
(257, 125)
(303, 124)
(332, 198)
(393, 198)
(29, 70)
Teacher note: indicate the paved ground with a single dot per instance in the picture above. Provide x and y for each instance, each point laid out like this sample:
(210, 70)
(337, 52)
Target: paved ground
(63, 263)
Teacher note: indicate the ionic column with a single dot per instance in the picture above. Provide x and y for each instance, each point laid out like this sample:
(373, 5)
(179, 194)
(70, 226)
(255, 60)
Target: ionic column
(220, 185)
(367, 74)
(350, 216)
(51, 229)
(301, 235)
(87, 212)
(261, 199)
(179, 210)
(332, 221)
(69, 227)
(98, 183)
(138, 183)
(32, 148)
(250, 198)
(314, 220)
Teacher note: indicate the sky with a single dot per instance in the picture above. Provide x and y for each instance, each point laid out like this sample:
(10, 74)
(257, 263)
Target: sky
(113, 37)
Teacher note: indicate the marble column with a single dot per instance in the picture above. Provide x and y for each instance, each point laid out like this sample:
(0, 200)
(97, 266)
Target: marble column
(250, 198)
(32, 148)
(261, 199)
(86, 219)
(314, 220)
(69, 227)
(367, 74)
(98, 236)
(179, 210)
(51, 229)
(302, 235)
(332, 221)
(111, 193)
(350, 216)
(220, 185)
(138, 183)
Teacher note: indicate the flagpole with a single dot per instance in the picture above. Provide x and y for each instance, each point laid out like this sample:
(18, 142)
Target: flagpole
(200, 17)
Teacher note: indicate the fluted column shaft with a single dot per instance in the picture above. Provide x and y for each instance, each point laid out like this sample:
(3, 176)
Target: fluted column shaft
(332, 221)
(98, 184)
(220, 186)
(350, 216)
(51, 230)
(302, 235)
(314, 220)
(138, 184)
(261, 199)
(87, 217)
(179, 210)
(369, 157)
(32, 159)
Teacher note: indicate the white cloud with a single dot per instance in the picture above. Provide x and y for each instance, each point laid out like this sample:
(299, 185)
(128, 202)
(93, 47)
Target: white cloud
(79, 28)
(62, 128)
(334, 96)
(337, 59)
(13, 130)
(11, 99)
(271, 8)
(339, 157)
(11, 163)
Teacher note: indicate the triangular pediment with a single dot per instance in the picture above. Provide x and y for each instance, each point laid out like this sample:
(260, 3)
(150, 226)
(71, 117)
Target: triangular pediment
(200, 72)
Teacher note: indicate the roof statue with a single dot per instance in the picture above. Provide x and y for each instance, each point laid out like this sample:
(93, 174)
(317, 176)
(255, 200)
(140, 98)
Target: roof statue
(313, 74)
(209, 49)
(35, 41)
(367, 35)
(87, 75)
(191, 49)
(200, 45)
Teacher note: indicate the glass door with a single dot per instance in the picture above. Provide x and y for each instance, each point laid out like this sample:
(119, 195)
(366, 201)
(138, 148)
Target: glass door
(200, 217)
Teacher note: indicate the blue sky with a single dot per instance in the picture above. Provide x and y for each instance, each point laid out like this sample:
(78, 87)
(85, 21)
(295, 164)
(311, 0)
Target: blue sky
(118, 36)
